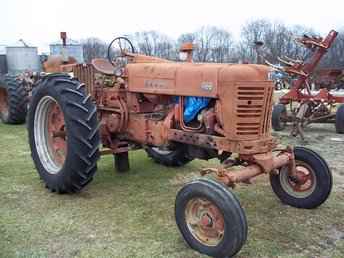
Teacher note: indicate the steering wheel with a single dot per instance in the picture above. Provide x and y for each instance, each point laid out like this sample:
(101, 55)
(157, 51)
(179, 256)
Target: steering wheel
(117, 51)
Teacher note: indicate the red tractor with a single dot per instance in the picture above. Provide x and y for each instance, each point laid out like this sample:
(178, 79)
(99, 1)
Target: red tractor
(177, 112)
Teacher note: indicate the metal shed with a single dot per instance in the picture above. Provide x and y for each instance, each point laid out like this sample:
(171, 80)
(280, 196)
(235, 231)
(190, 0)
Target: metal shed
(73, 48)
(21, 58)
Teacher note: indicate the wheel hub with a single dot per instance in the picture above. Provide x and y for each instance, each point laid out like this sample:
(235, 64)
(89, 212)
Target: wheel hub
(303, 180)
(57, 136)
(205, 221)
(302, 183)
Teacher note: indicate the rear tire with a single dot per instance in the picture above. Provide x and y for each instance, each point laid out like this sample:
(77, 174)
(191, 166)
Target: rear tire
(210, 218)
(14, 100)
(340, 119)
(171, 158)
(313, 170)
(278, 112)
(66, 158)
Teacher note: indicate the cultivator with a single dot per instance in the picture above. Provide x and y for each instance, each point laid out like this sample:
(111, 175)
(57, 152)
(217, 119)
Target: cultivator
(177, 112)
(311, 107)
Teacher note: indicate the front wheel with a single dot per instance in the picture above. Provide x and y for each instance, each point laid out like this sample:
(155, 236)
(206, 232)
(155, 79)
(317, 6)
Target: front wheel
(210, 218)
(63, 133)
(310, 187)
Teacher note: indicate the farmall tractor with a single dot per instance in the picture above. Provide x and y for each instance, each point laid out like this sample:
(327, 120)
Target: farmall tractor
(16, 89)
(301, 106)
(177, 112)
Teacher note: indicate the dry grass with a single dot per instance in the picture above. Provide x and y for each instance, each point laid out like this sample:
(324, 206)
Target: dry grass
(131, 215)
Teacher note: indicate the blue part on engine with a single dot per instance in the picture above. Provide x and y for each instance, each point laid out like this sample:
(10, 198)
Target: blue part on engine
(192, 106)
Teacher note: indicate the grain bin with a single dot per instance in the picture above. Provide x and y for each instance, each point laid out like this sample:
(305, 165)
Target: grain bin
(73, 48)
(3, 62)
(21, 58)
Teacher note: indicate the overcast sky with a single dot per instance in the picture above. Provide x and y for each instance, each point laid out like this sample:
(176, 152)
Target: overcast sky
(40, 21)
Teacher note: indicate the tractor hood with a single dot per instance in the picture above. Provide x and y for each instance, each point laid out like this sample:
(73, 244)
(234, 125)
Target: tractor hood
(191, 79)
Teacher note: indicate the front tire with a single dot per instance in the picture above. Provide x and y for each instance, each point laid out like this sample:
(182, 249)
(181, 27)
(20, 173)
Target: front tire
(312, 185)
(13, 100)
(210, 218)
(63, 133)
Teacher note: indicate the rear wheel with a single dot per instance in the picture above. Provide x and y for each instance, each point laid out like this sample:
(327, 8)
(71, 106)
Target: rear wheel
(175, 156)
(312, 184)
(63, 133)
(13, 100)
(279, 117)
(340, 119)
(210, 218)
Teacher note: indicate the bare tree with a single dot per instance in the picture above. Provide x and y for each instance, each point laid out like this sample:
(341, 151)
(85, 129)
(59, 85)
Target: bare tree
(154, 44)
(278, 39)
(94, 48)
(213, 44)
(335, 56)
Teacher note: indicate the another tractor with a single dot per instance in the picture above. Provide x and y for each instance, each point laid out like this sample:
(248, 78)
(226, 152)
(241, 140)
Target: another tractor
(177, 112)
(16, 89)
(301, 106)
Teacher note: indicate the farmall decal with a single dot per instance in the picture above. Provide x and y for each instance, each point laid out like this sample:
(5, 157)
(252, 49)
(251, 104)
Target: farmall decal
(207, 86)
(156, 84)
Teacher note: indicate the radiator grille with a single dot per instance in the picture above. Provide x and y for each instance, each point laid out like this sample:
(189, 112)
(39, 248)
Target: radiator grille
(253, 109)
(85, 74)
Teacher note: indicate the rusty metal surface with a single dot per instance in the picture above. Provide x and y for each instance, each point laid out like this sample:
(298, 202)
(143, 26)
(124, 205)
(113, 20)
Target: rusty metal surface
(85, 74)
(257, 164)
(189, 79)
(139, 108)
(54, 64)
(103, 66)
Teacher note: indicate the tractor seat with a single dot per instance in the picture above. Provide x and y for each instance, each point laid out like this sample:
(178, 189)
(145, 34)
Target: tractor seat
(103, 66)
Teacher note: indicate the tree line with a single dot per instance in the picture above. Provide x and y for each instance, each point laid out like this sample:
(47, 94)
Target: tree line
(214, 44)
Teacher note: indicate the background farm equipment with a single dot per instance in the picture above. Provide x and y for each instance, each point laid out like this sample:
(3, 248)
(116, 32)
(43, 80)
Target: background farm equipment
(281, 80)
(16, 88)
(311, 107)
(177, 111)
(330, 79)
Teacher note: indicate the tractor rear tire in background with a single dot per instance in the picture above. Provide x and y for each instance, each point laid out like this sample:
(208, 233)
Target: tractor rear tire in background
(312, 184)
(279, 114)
(210, 218)
(63, 133)
(175, 157)
(13, 100)
(340, 119)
